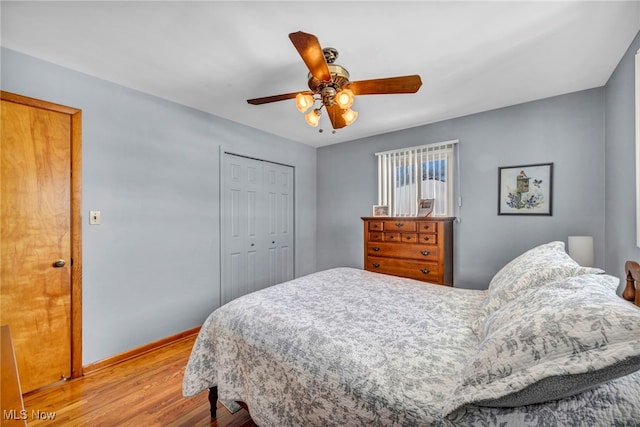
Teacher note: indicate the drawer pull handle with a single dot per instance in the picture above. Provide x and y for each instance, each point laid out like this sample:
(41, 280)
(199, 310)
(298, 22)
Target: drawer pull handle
(376, 249)
(425, 271)
(376, 265)
(426, 227)
(374, 225)
(426, 239)
(408, 237)
(399, 224)
(391, 237)
(425, 253)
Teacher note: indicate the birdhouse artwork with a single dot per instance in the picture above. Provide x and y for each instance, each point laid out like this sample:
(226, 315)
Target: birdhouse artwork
(522, 183)
(525, 193)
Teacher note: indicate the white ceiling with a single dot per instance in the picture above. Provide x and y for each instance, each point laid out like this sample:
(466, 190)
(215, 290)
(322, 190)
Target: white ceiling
(211, 55)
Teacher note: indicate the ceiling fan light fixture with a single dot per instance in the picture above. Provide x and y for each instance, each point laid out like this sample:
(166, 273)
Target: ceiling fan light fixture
(329, 84)
(304, 101)
(344, 98)
(313, 117)
(349, 116)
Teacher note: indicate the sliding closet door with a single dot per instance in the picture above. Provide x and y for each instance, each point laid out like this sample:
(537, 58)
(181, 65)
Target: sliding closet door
(256, 225)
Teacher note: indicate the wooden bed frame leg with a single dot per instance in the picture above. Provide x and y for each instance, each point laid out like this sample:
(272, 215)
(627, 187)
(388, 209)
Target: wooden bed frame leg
(213, 400)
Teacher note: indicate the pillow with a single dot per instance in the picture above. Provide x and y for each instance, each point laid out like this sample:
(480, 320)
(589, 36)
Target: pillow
(561, 339)
(542, 264)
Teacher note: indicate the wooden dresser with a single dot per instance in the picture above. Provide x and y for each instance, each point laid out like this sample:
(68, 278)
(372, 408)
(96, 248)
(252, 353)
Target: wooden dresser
(415, 247)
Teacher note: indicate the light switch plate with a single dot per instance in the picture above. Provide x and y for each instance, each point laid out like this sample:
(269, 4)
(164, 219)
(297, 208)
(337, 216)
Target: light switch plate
(94, 217)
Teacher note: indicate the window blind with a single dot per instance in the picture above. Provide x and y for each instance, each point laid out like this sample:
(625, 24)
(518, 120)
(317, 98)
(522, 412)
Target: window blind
(421, 172)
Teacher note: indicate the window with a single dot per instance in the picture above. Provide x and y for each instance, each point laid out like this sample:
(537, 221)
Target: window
(423, 172)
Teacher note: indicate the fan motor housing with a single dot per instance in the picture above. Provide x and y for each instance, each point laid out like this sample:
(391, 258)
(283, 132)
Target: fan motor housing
(339, 78)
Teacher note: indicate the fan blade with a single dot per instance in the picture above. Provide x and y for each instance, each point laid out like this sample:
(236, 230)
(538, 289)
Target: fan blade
(335, 115)
(275, 98)
(309, 49)
(404, 84)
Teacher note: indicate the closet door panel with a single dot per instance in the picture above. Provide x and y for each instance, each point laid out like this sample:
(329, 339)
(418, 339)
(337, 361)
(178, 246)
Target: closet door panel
(241, 225)
(279, 186)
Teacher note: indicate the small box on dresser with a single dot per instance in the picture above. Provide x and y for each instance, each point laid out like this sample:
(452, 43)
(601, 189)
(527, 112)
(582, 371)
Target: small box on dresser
(415, 247)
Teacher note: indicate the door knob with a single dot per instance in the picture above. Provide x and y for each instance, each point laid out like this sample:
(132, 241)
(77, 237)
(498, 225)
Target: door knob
(59, 263)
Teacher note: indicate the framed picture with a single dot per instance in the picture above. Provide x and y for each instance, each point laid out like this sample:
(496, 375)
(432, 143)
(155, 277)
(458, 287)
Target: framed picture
(425, 207)
(380, 210)
(525, 189)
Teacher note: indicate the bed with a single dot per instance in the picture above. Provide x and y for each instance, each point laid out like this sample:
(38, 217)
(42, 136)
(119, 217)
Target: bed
(548, 343)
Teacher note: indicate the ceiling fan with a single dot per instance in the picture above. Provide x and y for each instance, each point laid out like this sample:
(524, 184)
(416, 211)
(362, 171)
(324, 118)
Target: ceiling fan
(329, 84)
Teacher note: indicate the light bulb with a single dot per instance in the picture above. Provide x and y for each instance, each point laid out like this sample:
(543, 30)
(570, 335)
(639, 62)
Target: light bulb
(349, 116)
(303, 102)
(313, 117)
(344, 98)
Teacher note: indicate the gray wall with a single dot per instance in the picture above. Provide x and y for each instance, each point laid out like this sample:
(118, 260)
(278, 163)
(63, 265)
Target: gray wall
(567, 130)
(152, 269)
(620, 164)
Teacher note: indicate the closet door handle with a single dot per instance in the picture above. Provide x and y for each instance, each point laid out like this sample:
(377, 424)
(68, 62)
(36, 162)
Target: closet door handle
(59, 263)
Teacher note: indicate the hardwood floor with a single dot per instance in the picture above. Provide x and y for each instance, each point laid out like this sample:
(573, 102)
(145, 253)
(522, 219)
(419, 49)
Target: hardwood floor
(144, 391)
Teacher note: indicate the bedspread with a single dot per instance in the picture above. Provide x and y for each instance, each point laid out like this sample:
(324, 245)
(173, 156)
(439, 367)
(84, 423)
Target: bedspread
(348, 347)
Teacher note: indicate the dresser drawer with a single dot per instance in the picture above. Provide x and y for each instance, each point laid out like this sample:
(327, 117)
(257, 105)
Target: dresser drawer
(426, 271)
(427, 226)
(409, 251)
(399, 225)
(428, 239)
(375, 236)
(376, 225)
(409, 237)
(391, 237)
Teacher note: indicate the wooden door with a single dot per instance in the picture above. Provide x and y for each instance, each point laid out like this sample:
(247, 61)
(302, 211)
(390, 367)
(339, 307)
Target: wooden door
(40, 226)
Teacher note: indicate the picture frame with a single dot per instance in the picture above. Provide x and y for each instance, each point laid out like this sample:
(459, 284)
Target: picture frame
(525, 189)
(380, 210)
(425, 207)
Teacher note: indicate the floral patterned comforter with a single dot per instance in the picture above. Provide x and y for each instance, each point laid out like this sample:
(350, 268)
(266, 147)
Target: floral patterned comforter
(347, 347)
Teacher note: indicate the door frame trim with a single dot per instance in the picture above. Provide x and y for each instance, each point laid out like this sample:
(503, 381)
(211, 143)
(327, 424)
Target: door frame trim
(75, 116)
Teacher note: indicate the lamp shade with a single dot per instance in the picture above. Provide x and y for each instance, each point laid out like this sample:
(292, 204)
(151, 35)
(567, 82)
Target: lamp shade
(344, 98)
(349, 116)
(313, 117)
(304, 101)
(581, 250)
